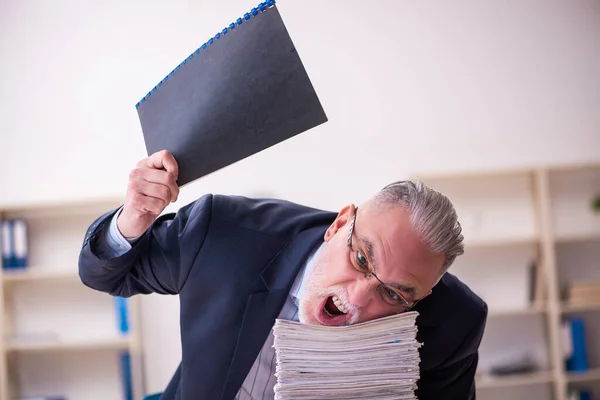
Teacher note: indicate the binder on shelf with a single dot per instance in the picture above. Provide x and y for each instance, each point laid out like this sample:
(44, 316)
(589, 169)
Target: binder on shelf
(7, 243)
(126, 379)
(15, 243)
(21, 243)
(122, 315)
(121, 308)
(239, 93)
(577, 360)
(579, 394)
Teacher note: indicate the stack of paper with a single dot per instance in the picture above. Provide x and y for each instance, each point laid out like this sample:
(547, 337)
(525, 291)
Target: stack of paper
(373, 360)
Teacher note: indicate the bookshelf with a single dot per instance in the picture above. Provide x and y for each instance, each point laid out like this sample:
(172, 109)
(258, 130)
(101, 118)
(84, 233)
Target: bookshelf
(529, 234)
(58, 337)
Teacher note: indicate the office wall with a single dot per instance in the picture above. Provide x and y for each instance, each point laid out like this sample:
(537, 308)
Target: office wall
(407, 86)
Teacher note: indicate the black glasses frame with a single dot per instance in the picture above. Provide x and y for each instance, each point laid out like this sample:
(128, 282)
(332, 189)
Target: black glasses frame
(382, 285)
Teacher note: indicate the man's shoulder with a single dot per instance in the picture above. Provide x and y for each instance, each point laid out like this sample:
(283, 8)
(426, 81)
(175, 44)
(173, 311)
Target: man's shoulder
(460, 294)
(458, 304)
(451, 322)
(268, 215)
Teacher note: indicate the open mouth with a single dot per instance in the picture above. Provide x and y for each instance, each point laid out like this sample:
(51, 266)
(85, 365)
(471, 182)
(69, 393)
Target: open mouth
(334, 307)
(332, 312)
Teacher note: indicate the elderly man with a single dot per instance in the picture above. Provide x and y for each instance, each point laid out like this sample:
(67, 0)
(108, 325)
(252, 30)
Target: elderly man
(237, 264)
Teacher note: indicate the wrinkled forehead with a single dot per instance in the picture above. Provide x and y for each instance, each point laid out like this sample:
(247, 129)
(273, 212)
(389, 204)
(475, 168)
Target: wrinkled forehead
(397, 248)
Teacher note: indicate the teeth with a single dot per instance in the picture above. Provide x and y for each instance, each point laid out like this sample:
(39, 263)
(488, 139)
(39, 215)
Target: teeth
(339, 305)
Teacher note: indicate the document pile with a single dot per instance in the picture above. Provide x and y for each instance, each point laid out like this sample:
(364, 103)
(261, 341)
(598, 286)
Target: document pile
(373, 360)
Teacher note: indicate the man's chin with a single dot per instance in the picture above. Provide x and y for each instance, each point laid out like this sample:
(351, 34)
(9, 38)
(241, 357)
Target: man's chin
(316, 321)
(309, 321)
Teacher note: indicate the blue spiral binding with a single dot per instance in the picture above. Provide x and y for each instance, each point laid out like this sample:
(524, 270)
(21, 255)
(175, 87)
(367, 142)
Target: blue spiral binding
(262, 7)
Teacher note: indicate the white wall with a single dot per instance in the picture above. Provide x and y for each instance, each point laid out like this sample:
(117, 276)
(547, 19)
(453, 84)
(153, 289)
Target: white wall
(407, 87)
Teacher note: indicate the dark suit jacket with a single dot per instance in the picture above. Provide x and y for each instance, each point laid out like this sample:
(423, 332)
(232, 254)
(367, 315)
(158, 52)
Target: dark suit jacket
(232, 261)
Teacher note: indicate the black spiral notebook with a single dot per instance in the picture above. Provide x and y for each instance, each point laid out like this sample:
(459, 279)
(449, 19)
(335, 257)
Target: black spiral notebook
(242, 91)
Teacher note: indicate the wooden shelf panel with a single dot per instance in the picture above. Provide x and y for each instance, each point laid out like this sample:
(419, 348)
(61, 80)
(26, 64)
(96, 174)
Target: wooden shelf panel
(534, 310)
(579, 237)
(85, 374)
(507, 241)
(572, 308)
(525, 379)
(39, 274)
(116, 343)
(52, 209)
(458, 176)
(588, 376)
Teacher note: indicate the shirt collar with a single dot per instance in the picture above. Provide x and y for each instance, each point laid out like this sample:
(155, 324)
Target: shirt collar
(298, 285)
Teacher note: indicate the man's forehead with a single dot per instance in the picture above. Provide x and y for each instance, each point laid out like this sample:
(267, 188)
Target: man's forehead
(395, 249)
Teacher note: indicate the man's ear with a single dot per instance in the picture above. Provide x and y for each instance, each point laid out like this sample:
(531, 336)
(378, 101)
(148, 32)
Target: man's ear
(343, 218)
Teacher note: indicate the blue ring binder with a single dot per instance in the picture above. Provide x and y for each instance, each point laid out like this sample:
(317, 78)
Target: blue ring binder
(262, 7)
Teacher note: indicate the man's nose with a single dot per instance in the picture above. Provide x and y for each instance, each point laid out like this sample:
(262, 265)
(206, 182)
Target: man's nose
(361, 292)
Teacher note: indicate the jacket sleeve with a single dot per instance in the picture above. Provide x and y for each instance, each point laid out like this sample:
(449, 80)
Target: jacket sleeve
(455, 380)
(158, 262)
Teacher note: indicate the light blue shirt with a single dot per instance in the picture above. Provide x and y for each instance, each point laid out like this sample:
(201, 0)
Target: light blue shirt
(260, 381)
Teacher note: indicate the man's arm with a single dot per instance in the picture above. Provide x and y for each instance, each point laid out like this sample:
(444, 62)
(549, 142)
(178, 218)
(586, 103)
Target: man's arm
(114, 244)
(131, 250)
(159, 261)
(455, 380)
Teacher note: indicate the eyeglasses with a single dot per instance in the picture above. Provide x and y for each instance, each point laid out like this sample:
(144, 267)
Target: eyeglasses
(360, 262)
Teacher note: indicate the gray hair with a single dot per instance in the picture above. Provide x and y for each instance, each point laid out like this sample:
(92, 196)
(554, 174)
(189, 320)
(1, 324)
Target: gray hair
(432, 215)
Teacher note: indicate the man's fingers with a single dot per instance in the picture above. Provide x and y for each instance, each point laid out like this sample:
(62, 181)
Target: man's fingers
(165, 179)
(152, 186)
(139, 201)
(154, 182)
(163, 160)
(170, 164)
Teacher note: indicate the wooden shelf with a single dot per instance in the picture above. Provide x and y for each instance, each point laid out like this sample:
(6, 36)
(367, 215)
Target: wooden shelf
(95, 206)
(513, 219)
(502, 242)
(470, 174)
(533, 378)
(46, 309)
(588, 376)
(571, 308)
(534, 310)
(38, 274)
(116, 343)
(579, 237)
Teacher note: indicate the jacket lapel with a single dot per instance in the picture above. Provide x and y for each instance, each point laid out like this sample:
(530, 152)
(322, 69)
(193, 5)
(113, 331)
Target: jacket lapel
(262, 308)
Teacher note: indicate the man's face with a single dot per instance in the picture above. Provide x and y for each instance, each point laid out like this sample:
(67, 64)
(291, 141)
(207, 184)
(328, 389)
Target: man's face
(339, 292)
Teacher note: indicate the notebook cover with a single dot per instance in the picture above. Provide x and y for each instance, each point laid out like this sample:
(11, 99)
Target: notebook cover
(241, 92)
